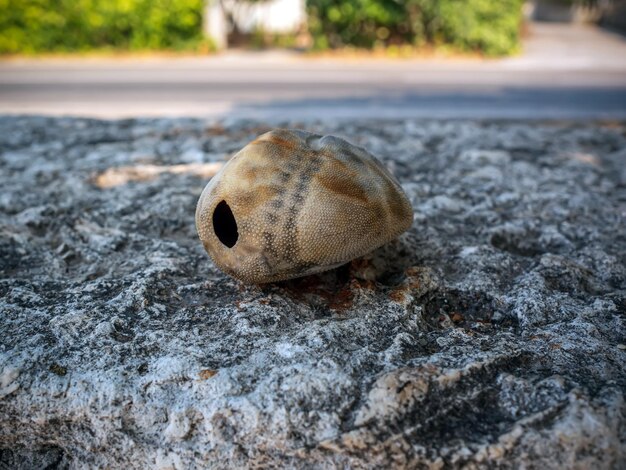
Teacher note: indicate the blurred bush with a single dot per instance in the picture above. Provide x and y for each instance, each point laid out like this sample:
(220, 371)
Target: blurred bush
(485, 26)
(30, 26)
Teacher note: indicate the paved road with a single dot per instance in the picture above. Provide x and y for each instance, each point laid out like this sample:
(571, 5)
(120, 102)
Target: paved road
(566, 72)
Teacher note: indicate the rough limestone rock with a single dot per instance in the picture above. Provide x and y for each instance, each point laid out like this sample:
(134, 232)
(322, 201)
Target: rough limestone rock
(490, 335)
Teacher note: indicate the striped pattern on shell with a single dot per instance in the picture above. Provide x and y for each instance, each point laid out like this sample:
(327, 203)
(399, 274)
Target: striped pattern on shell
(292, 203)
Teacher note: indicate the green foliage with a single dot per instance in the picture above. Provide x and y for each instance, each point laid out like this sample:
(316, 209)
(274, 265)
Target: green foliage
(486, 26)
(30, 26)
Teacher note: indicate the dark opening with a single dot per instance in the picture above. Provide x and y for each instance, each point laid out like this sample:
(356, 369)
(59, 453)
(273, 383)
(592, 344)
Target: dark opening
(225, 225)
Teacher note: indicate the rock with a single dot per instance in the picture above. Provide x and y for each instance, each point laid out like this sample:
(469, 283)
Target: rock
(489, 335)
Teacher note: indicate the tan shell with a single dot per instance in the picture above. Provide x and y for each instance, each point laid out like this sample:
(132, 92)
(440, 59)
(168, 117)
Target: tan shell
(293, 203)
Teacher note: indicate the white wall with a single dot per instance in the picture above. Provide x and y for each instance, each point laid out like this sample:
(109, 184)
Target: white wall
(277, 16)
(274, 16)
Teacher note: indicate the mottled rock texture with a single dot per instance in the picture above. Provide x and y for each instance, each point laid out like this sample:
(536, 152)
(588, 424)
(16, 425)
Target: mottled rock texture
(489, 335)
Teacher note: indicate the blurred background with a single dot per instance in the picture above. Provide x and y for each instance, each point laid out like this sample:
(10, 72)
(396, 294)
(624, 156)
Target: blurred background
(314, 58)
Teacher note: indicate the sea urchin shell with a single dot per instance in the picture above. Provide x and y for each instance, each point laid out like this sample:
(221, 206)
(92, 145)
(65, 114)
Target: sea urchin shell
(293, 203)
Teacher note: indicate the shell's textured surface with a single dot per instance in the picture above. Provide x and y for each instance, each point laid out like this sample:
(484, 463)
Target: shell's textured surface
(293, 203)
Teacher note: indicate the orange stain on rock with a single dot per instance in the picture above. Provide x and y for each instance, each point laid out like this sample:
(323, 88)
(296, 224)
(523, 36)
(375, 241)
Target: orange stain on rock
(206, 374)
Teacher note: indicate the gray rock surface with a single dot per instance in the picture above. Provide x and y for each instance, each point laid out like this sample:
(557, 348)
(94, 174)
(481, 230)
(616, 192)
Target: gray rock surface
(490, 335)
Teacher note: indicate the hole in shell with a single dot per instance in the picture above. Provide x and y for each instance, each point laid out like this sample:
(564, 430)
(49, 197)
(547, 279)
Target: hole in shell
(225, 225)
